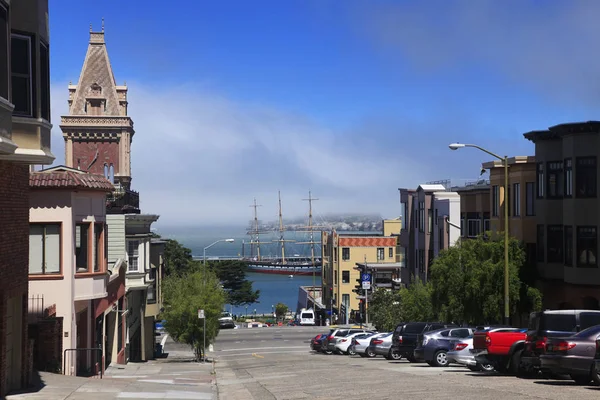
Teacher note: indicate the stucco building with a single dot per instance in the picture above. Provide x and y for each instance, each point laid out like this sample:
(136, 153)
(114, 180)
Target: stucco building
(567, 213)
(425, 231)
(24, 141)
(340, 254)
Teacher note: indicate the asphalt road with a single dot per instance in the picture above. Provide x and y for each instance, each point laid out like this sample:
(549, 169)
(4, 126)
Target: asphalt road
(276, 363)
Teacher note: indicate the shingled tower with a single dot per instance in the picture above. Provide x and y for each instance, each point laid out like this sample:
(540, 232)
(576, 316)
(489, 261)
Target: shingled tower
(98, 132)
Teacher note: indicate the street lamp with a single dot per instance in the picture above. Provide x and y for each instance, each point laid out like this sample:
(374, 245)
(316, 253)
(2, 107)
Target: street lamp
(204, 285)
(456, 146)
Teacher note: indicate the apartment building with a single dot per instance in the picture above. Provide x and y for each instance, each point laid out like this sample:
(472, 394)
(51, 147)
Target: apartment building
(426, 230)
(98, 134)
(567, 213)
(24, 140)
(68, 268)
(340, 254)
(475, 205)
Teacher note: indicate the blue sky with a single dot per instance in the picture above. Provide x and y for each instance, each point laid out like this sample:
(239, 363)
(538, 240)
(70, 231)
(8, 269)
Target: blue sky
(352, 99)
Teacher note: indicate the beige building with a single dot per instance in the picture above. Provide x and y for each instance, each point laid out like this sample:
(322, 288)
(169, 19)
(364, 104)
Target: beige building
(475, 205)
(567, 214)
(340, 254)
(24, 141)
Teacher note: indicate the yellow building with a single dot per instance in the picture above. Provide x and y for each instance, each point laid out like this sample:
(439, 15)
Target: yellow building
(342, 251)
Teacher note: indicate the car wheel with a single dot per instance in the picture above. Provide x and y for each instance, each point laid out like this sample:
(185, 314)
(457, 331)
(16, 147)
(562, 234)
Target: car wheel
(327, 351)
(581, 379)
(440, 359)
(351, 351)
(370, 353)
(595, 375)
(515, 363)
(395, 355)
(486, 367)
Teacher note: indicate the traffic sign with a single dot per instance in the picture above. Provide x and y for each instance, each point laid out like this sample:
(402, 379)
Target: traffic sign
(366, 285)
(201, 314)
(365, 277)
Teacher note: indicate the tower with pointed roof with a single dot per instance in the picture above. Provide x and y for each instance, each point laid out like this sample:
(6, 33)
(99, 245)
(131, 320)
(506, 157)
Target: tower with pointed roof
(98, 132)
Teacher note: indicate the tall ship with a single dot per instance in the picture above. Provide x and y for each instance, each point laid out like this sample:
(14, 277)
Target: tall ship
(282, 263)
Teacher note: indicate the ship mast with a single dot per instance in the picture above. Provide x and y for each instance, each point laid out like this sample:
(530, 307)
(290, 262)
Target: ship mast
(255, 233)
(311, 229)
(281, 230)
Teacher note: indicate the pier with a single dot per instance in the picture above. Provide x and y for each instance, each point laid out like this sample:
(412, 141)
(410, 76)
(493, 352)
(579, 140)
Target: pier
(266, 261)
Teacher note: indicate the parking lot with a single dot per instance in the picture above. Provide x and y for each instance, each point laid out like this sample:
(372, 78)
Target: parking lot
(276, 363)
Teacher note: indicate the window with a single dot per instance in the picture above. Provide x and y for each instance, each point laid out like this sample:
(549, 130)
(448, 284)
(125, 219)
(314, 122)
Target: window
(345, 253)
(568, 245)
(422, 216)
(516, 199)
(555, 179)
(463, 224)
(555, 243)
(473, 227)
(587, 246)
(429, 221)
(436, 216)
(416, 218)
(495, 201)
(45, 81)
(82, 245)
(335, 254)
(99, 249)
(540, 180)
(486, 225)
(21, 75)
(380, 253)
(440, 239)
(345, 276)
(44, 249)
(4, 52)
(421, 260)
(133, 252)
(151, 294)
(568, 177)
(541, 249)
(585, 177)
(391, 252)
(529, 199)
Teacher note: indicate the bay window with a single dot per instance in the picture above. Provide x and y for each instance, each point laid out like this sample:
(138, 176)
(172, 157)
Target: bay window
(587, 246)
(585, 177)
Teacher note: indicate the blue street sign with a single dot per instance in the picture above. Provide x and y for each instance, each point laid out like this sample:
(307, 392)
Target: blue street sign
(365, 277)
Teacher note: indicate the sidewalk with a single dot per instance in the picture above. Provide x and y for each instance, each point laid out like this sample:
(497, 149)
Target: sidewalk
(174, 377)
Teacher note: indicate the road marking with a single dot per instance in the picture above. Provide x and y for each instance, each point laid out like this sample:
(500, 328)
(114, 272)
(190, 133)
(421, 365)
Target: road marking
(163, 341)
(267, 348)
(257, 355)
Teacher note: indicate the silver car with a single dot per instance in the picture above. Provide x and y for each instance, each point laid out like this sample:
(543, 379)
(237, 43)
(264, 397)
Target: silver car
(382, 346)
(461, 354)
(361, 343)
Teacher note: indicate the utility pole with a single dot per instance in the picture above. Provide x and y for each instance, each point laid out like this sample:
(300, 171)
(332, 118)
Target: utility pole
(367, 295)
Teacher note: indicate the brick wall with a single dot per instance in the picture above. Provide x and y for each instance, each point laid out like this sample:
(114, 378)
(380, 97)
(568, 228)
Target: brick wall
(14, 253)
(47, 351)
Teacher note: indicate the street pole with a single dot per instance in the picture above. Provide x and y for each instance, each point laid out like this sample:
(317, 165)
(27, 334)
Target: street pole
(456, 146)
(506, 280)
(367, 296)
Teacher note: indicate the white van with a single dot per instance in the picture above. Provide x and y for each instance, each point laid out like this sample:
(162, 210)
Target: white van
(307, 317)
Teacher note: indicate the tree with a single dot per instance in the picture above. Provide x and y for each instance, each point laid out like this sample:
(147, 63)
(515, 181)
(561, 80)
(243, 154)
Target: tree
(384, 309)
(232, 275)
(416, 302)
(184, 295)
(468, 280)
(281, 311)
(178, 259)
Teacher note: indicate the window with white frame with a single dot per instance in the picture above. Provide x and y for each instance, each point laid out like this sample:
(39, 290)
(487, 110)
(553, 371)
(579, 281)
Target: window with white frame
(380, 253)
(473, 227)
(133, 253)
(44, 249)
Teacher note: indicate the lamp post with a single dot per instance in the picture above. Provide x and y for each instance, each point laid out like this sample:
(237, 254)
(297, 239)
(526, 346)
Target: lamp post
(456, 146)
(204, 287)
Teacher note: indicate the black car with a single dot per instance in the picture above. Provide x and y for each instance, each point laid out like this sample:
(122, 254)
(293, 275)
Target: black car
(548, 324)
(316, 343)
(406, 337)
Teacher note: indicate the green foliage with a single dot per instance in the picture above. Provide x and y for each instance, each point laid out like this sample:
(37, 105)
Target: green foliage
(178, 259)
(468, 280)
(183, 297)
(232, 275)
(416, 302)
(384, 309)
(281, 310)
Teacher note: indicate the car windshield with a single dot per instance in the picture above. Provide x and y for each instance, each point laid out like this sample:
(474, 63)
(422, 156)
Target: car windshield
(413, 328)
(307, 315)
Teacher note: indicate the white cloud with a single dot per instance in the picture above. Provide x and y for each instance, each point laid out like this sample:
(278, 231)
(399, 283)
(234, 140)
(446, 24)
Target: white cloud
(200, 158)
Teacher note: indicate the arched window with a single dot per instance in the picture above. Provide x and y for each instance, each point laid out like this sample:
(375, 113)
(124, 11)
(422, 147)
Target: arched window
(112, 174)
(106, 170)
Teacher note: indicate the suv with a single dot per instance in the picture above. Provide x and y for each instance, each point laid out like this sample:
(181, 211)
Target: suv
(406, 337)
(226, 321)
(328, 344)
(555, 323)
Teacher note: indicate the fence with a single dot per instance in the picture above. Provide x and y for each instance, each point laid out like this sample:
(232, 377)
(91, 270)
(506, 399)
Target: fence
(83, 362)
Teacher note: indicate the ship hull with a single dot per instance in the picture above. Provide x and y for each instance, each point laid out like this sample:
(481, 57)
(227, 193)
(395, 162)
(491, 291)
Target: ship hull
(283, 270)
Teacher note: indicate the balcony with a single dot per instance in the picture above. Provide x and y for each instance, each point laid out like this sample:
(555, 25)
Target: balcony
(123, 201)
(92, 286)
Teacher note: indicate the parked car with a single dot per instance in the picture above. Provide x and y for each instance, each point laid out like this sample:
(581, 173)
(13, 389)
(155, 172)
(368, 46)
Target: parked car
(406, 336)
(328, 344)
(226, 321)
(435, 345)
(500, 347)
(596, 376)
(361, 343)
(462, 354)
(316, 342)
(344, 344)
(382, 346)
(548, 324)
(572, 355)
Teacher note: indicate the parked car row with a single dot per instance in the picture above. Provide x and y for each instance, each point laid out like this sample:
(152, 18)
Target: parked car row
(555, 343)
